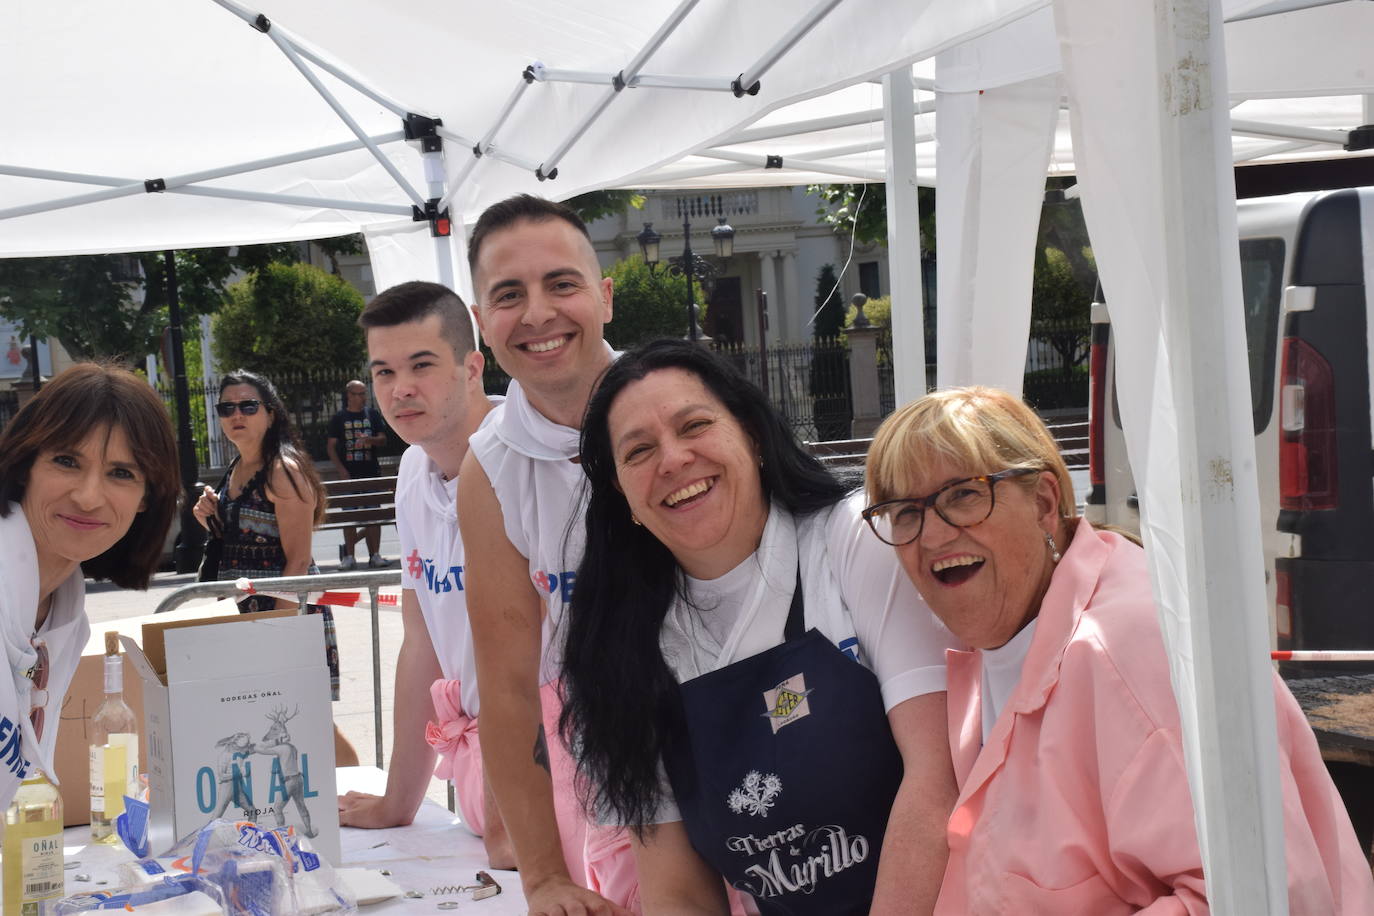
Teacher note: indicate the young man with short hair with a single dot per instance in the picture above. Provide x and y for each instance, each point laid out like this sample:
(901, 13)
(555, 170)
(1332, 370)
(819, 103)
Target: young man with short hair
(427, 375)
(541, 303)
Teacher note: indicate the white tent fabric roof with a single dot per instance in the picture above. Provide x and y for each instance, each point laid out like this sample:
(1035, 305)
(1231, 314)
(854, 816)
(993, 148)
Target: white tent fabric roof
(159, 89)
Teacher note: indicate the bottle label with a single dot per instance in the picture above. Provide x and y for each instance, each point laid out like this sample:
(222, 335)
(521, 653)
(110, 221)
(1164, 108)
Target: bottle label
(114, 774)
(41, 859)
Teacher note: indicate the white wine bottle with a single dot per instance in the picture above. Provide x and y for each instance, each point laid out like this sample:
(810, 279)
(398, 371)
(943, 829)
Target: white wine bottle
(114, 749)
(33, 848)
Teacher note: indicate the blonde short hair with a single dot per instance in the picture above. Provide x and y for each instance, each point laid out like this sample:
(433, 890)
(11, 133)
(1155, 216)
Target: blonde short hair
(983, 430)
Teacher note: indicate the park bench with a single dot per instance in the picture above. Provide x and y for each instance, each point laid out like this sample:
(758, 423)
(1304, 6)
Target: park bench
(358, 502)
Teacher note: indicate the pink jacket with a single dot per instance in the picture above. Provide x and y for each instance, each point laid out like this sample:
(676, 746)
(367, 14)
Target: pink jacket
(1079, 801)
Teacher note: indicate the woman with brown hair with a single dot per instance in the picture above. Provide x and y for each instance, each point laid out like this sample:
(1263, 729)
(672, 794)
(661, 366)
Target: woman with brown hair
(88, 486)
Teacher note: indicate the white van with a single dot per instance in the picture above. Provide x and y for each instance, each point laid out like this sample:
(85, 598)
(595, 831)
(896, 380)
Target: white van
(1308, 333)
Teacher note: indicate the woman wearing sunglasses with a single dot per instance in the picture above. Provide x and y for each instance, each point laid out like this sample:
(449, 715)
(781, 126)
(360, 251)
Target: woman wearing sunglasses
(88, 487)
(1064, 729)
(748, 682)
(265, 508)
(271, 498)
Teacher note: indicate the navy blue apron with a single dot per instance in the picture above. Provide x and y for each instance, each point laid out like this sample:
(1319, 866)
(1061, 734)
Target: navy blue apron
(786, 773)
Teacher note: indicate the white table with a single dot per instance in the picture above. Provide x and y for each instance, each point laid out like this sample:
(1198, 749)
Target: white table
(432, 856)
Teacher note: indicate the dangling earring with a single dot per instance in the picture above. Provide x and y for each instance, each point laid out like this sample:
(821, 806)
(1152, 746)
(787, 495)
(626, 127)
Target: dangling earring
(1055, 555)
(634, 518)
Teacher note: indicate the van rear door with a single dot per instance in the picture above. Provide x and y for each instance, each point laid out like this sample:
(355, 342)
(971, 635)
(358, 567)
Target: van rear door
(1326, 497)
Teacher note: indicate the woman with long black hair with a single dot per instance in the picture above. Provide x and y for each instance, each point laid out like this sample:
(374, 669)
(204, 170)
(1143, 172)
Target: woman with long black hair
(713, 699)
(265, 508)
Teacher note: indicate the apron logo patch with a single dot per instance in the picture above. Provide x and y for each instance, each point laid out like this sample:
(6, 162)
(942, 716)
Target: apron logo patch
(786, 703)
(756, 794)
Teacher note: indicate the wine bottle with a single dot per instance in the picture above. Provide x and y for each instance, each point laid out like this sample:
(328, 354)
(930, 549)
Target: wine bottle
(33, 876)
(114, 749)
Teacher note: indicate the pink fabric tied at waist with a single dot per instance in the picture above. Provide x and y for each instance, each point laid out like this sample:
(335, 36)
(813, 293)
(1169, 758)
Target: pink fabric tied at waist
(453, 730)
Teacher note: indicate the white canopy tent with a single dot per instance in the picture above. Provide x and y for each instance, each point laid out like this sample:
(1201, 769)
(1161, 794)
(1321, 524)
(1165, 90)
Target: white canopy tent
(177, 123)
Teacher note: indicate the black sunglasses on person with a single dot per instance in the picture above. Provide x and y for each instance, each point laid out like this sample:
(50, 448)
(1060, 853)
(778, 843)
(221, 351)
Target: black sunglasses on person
(247, 407)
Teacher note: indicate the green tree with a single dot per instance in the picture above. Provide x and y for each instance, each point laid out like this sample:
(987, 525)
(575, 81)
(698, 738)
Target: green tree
(594, 205)
(1060, 307)
(830, 308)
(116, 305)
(648, 304)
(861, 209)
(287, 318)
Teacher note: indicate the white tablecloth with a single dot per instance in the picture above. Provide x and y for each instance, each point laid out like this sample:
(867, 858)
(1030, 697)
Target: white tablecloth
(432, 856)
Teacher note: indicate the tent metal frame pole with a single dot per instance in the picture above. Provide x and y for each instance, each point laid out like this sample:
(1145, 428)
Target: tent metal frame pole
(1273, 149)
(435, 172)
(483, 147)
(702, 172)
(126, 187)
(904, 238)
(252, 19)
(759, 159)
(1279, 6)
(293, 200)
(639, 81)
(793, 35)
(774, 131)
(310, 77)
(849, 119)
(549, 167)
(1289, 132)
(318, 152)
(76, 200)
(19, 171)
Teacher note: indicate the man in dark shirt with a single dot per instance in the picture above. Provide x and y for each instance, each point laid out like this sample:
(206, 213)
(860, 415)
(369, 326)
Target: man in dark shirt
(354, 434)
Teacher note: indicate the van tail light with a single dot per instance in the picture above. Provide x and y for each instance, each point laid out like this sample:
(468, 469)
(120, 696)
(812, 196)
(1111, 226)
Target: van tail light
(1283, 608)
(1307, 440)
(1097, 400)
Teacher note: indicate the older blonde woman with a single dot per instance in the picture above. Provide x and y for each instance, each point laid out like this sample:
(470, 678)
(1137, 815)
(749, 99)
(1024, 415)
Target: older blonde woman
(1073, 796)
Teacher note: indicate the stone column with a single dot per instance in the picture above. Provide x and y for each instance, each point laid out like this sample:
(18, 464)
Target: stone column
(863, 372)
(790, 304)
(768, 280)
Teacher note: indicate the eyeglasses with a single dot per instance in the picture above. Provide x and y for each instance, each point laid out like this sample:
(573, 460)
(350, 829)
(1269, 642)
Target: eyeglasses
(963, 504)
(38, 696)
(247, 408)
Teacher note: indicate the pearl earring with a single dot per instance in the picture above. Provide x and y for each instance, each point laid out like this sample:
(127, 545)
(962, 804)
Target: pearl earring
(1055, 555)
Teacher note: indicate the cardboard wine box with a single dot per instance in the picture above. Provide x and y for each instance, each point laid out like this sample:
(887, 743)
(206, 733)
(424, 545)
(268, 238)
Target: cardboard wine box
(238, 725)
(72, 759)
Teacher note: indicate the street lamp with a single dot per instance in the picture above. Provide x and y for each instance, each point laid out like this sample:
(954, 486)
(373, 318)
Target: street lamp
(689, 263)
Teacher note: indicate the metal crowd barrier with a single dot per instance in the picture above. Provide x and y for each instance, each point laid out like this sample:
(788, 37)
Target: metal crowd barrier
(372, 580)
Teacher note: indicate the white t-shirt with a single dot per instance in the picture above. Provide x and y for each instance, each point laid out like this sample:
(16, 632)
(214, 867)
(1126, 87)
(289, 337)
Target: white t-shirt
(65, 631)
(529, 460)
(856, 594)
(432, 565)
(1001, 673)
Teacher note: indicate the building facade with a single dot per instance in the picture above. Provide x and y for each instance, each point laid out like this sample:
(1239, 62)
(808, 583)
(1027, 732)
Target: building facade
(780, 248)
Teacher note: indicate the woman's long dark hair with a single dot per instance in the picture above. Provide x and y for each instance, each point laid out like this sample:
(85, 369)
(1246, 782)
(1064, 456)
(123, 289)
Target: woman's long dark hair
(621, 707)
(281, 440)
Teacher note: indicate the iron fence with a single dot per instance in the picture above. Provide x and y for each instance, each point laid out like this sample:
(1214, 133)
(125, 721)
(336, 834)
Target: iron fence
(9, 406)
(1057, 364)
(808, 382)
